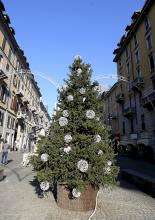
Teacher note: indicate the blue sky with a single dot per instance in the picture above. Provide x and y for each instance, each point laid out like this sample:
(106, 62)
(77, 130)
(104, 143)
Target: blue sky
(52, 32)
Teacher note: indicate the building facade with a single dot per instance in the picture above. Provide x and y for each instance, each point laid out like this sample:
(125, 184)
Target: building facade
(135, 58)
(22, 113)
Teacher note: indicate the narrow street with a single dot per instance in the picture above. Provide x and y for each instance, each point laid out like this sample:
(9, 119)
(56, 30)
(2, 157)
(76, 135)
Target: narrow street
(19, 200)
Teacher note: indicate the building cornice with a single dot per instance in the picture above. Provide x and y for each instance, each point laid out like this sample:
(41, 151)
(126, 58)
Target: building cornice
(132, 28)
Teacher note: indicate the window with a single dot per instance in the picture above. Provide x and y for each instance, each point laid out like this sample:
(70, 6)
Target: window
(128, 68)
(3, 93)
(3, 43)
(1, 118)
(7, 67)
(135, 40)
(123, 125)
(151, 62)
(149, 41)
(15, 80)
(119, 65)
(14, 103)
(127, 52)
(147, 24)
(132, 127)
(137, 57)
(11, 123)
(143, 122)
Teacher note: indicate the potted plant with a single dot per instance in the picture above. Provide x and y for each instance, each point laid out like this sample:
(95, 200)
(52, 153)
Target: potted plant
(76, 155)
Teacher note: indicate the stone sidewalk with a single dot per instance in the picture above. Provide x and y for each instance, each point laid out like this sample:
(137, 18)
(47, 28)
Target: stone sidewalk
(19, 200)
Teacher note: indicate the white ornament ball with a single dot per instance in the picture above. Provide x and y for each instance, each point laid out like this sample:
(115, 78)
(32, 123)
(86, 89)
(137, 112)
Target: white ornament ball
(79, 71)
(63, 121)
(90, 114)
(44, 186)
(82, 91)
(109, 163)
(100, 152)
(67, 149)
(65, 87)
(97, 138)
(70, 98)
(107, 170)
(68, 138)
(44, 157)
(65, 113)
(76, 193)
(77, 57)
(82, 165)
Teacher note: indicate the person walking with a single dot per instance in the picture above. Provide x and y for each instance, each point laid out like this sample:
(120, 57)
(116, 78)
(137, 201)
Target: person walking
(5, 150)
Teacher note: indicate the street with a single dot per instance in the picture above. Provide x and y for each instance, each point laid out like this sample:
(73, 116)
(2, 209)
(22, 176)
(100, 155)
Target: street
(19, 200)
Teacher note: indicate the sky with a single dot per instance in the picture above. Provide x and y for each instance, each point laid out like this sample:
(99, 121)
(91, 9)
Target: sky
(53, 32)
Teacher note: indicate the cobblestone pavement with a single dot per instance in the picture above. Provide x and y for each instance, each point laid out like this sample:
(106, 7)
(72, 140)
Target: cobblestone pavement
(19, 200)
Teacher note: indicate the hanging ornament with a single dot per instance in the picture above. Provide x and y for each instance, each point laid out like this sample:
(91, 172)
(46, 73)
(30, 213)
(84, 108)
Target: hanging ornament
(63, 121)
(79, 71)
(100, 152)
(82, 91)
(77, 57)
(84, 98)
(96, 88)
(65, 113)
(76, 193)
(68, 138)
(109, 163)
(107, 170)
(97, 138)
(67, 148)
(44, 186)
(97, 119)
(44, 157)
(90, 114)
(82, 165)
(70, 98)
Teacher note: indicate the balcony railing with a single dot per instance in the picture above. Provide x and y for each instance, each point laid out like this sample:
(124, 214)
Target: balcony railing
(129, 112)
(120, 98)
(21, 115)
(138, 84)
(3, 75)
(20, 93)
(149, 101)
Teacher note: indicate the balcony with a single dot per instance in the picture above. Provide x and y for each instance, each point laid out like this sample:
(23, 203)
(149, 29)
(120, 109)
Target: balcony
(138, 84)
(149, 101)
(20, 115)
(25, 101)
(129, 112)
(20, 93)
(120, 98)
(3, 75)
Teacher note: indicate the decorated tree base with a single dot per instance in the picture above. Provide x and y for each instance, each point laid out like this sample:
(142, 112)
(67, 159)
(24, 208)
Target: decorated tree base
(85, 202)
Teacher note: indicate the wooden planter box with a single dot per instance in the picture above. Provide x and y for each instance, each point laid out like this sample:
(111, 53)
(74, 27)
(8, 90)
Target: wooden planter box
(85, 202)
(1, 174)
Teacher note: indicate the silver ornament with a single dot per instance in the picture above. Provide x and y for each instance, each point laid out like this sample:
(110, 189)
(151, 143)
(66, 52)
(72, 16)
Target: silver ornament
(96, 88)
(84, 98)
(44, 157)
(109, 163)
(82, 91)
(76, 193)
(107, 170)
(90, 114)
(44, 186)
(65, 113)
(68, 138)
(82, 165)
(63, 121)
(79, 71)
(70, 98)
(97, 138)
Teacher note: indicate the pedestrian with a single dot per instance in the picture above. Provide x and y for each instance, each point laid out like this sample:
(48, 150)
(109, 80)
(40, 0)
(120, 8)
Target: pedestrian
(5, 150)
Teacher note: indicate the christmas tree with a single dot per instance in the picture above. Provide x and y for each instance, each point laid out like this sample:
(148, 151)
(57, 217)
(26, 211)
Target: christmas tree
(77, 150)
